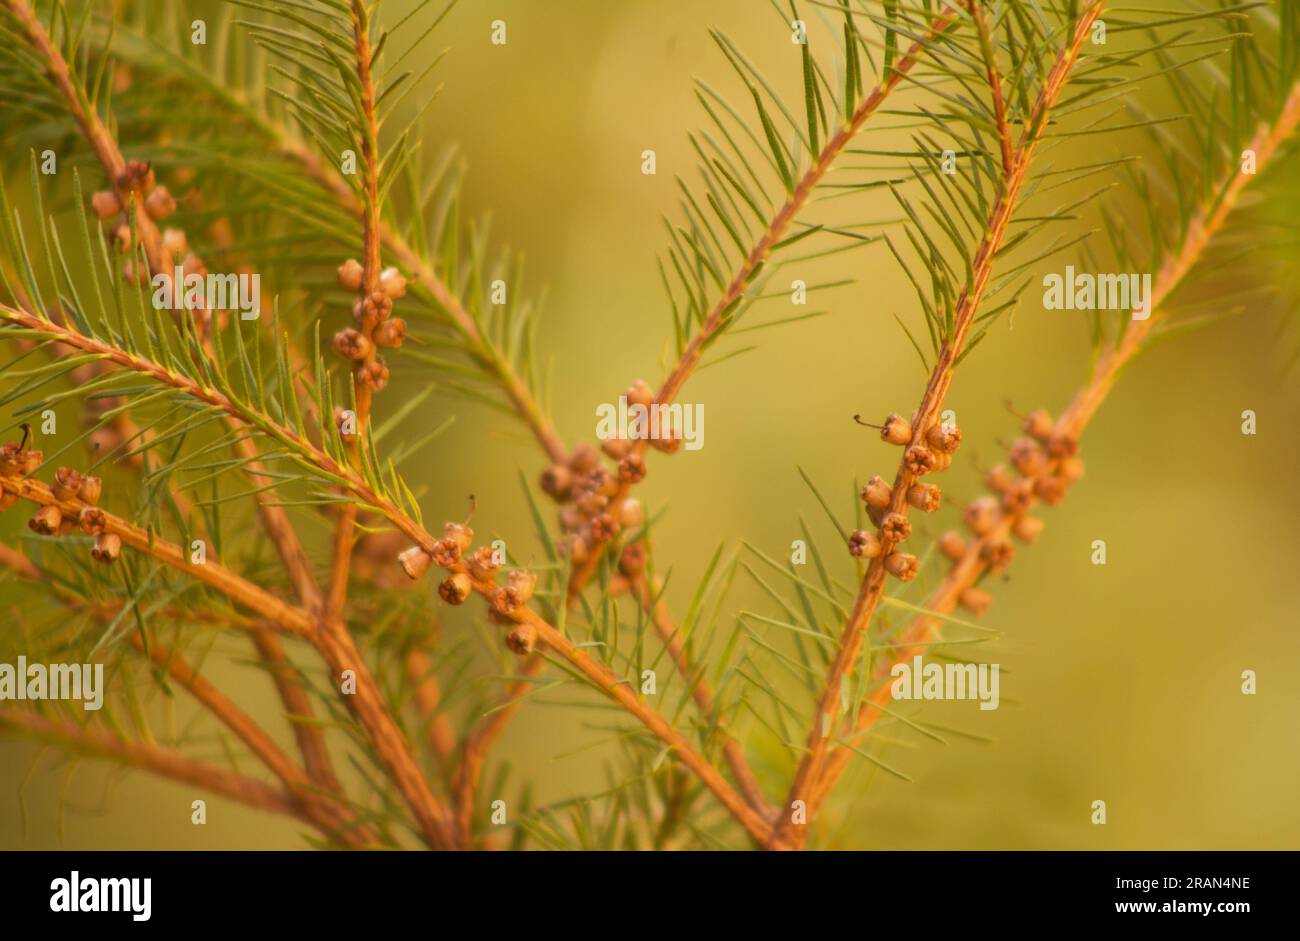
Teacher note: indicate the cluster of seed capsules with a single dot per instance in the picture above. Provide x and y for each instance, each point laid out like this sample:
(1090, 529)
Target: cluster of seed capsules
(933, 452)
(452, 552)
(594, 502)
(138, 178)
(372, 312)
(1041, 465)
(68, 486)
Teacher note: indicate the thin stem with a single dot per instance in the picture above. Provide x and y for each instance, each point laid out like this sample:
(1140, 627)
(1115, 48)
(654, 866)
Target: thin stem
(873, 584)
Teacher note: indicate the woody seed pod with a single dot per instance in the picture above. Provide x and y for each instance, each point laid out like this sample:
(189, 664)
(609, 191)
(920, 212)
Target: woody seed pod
(944, 439)
(902, 565)
(91, 520)
(106, 548)
(460, 534)
(919, 459)
(631, 562)
(640, 393)
(975, 600)
(1051, 490)
(456, 588)
(584, 458)
(160, 203)
(47, 521)
(981, 515)
(593, 504)
(896, 527)
(863, 545)
(392, 284)
(1027, 528)
(577, 547)
(877, 493)
(520, 585)
(391, 332)
(669, 438)
(952, 546)
(1070, 469)
(522, 638)
(379, 305)
(136, 175)
(175, 243)
(925, 497)
(106, 204)
(352, 344)
(604, 527)
(630, 514)
(1017, 497)
(1026, 457)
(90, 489)
(1038, 424)
(483, 564)
(616, 448)
(31, 461)
(350, 275)
(632, 469)
(896, 430)
(414, 562)
(998, 479)
(942, 461)
(556, 481)
(1059, 446)
(446, 553)
(998, 554)
(66, 483)
(373, 375)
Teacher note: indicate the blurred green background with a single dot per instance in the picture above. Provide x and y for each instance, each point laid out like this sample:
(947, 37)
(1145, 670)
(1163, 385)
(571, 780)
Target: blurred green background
(1122, 682)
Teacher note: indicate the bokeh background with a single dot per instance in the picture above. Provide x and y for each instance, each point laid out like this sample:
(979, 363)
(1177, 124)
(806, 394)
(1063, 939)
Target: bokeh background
(1122, 682)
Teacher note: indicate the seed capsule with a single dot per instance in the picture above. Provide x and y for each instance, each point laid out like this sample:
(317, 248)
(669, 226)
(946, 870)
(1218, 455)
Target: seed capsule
(392, 284)
(616, 448)
(896, 527)
(66, 483)
(106, 548)
(981, 515)
(1026, 457)
(1017, 497)
(632, 469)
(975, 600)
(91, 520)
(90, 489)
(640, 393)
(160, 203)
(944, 439)
(350, 275)
(460, 534)
(998, 554)
(925, 497)
(391, 333)
(456, 588)
(106, 204)
(1051, 490)
(952, 546)
(863, 545)
(1059, 446)
(604, 527)
(556, 481)
(919, 460)
(1070, 469)
(902, 565)
(1038, 424)
(47, 520)
(483, 564)
(896, 430)
(373, 375)
(998, 479)
(584, 458)
(877, 493)
(520, 585)
(522, 638)
(414, 562)
(352, 344)
(1027, 528)
(631, 562)
(630, 514)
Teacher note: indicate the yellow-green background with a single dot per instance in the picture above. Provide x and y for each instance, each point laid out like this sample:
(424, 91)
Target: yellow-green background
(1123, 681)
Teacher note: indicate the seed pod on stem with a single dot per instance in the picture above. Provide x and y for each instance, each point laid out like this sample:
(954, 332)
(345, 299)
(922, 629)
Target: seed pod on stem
(877, 493)
(863, 545)
(952, 546)
(902, 565)
(896, 527)
(107, 548)
(456, 588)
(414, 562)
(46, 521)
(975, 600)
(981, 515)
(925, 497)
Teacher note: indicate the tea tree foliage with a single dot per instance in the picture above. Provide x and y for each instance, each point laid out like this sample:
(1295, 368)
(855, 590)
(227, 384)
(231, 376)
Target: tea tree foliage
(234, 489)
